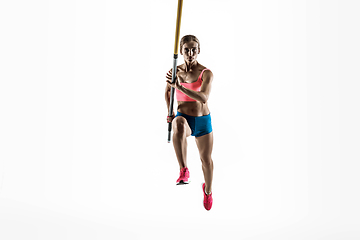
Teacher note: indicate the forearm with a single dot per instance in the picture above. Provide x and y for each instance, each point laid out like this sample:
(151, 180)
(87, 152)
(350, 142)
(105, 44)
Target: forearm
(199, 96)
(167, 99)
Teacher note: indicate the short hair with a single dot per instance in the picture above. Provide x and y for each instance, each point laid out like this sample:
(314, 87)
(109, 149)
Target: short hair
(188, 38)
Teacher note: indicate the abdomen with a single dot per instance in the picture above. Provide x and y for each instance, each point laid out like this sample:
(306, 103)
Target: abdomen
(193, 108)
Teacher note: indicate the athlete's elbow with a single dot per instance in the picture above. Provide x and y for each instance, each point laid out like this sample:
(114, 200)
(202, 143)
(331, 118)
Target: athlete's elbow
(204, 98)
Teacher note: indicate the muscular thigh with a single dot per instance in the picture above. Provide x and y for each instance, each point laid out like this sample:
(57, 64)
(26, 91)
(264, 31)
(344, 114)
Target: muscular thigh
(180, 122)
(205, 145)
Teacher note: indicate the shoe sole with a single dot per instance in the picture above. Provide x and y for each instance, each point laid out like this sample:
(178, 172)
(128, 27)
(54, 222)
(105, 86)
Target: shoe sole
(183, 183)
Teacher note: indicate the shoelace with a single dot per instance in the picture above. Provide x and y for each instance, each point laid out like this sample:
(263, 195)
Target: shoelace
(182, 173)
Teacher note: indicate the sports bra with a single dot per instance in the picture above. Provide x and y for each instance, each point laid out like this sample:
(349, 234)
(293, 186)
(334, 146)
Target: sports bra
(196, 86)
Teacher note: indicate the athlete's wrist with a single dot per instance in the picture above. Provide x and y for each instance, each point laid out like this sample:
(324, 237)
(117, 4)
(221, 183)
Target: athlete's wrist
(180, 87)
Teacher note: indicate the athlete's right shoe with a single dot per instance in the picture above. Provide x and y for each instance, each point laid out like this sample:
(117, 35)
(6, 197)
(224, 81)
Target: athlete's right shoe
(208, 200)
(184, 177)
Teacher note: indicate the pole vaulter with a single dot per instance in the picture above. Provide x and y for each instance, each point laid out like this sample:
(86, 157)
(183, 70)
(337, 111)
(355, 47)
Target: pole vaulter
(177, 34)
(192, 82)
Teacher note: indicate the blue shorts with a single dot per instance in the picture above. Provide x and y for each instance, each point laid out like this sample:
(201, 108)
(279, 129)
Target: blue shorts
(199, 125)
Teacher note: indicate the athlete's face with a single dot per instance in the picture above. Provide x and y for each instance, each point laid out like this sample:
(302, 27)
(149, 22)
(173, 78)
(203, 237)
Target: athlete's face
(190, 50)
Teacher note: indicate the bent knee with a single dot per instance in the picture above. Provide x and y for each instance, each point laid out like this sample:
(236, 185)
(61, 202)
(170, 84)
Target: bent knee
(179, 125)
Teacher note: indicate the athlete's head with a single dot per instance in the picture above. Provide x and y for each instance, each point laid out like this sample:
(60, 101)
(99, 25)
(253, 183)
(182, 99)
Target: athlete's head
(189, 47)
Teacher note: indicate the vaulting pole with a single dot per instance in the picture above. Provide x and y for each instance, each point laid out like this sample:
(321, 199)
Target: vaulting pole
(177, 33)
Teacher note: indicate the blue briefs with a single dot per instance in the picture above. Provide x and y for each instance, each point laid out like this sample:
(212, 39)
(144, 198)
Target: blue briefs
(199, 125)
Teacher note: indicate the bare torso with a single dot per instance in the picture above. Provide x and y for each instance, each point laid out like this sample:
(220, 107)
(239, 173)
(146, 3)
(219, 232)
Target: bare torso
(191, 108)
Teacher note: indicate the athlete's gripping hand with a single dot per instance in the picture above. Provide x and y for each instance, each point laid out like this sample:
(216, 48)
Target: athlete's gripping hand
(170, 119)
(169, 78)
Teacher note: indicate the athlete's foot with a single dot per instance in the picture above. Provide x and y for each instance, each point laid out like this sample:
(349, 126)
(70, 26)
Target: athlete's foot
(184, 176)
(208, 200)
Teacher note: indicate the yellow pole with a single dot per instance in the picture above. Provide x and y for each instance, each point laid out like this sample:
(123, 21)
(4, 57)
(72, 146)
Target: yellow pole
(178, 22)
(177, 34)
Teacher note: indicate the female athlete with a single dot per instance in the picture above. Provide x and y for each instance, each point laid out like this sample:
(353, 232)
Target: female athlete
(193, 85)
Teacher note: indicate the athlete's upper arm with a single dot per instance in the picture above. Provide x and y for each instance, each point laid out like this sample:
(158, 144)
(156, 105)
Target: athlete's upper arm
(168, 88)
(207, 78)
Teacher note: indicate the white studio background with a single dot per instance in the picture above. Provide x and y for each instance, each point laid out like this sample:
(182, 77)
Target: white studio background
(83, 130)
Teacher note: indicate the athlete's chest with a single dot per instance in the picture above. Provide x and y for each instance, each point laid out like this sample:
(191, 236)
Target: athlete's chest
(188, 77)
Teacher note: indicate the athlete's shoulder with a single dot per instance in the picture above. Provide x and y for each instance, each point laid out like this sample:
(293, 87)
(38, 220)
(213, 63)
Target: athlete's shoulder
(202, 68)
(181, 67)
(178, 69)
(207, 74)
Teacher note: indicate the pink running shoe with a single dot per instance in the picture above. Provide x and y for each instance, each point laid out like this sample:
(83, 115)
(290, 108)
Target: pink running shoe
(208, 200)
(184, 177)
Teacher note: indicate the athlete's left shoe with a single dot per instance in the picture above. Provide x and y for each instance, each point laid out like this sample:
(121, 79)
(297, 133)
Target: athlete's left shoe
(184, 176)
(208, 200)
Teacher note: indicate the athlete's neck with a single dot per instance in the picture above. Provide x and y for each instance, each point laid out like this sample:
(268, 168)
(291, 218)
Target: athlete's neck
(190, 65)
